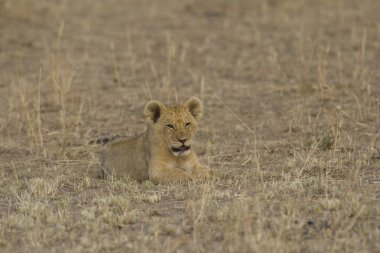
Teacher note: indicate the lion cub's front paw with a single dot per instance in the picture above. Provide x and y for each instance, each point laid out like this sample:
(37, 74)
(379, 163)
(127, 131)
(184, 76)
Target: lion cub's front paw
(179, 176)
(202, 174)
(171, 176)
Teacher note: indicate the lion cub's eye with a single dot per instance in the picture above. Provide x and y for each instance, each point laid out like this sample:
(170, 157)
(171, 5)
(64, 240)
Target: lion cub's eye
(170, 126)
(187, 124)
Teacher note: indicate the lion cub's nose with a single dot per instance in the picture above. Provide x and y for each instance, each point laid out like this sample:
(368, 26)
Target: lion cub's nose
(182, 140)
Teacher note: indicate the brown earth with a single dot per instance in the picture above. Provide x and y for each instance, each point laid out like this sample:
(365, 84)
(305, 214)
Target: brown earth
(292, 116)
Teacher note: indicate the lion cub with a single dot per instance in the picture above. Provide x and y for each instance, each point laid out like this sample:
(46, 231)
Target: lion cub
(164, 152)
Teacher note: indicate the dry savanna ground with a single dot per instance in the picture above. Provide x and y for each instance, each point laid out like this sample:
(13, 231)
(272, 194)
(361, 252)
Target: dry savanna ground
(292, 116)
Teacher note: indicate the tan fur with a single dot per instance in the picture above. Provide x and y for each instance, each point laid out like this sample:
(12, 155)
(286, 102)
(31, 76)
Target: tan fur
(158, 154)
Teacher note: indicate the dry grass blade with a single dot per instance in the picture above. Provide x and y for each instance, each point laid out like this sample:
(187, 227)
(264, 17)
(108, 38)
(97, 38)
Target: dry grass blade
(236, 116)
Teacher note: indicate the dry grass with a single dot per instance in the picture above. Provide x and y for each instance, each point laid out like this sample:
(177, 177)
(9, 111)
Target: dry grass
(291, 92)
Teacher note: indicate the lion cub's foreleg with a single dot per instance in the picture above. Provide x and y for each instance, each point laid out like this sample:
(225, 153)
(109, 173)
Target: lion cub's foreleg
(166, 174)
(161, 172)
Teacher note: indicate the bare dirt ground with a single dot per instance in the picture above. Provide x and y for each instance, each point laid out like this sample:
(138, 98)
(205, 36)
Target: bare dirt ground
(292, 116)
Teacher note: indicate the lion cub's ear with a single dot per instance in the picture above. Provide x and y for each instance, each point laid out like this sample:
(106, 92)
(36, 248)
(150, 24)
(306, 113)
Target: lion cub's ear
(195, 107)
(153, 110)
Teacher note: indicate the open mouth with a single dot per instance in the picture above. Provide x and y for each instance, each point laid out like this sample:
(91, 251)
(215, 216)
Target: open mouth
(181, 149)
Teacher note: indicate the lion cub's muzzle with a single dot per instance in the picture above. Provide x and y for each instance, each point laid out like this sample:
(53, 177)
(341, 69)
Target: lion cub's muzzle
(181, 149)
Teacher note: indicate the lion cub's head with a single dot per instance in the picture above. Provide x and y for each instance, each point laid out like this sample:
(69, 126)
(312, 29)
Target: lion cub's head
(174, 125)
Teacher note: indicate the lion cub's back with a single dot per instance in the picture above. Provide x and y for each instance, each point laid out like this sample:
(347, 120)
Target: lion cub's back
(125, 157)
